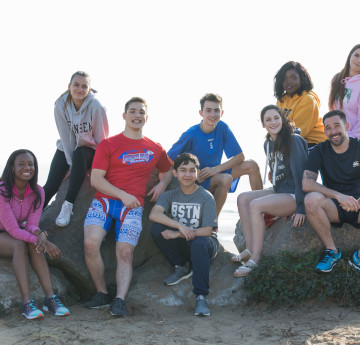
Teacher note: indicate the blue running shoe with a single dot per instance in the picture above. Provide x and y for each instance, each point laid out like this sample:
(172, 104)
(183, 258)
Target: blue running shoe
(354, 261)
(328, 261)
(55, 305)
(31, 311)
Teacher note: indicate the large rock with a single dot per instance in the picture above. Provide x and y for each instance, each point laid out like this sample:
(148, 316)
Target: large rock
(9, 290)
(282, 236)
(147, 285)
(150, 267)
(70, 239)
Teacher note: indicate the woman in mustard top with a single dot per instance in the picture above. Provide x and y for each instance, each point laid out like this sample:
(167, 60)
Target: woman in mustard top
(293, 90)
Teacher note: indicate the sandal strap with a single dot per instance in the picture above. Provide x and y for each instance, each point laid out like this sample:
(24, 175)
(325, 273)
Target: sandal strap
(240, 257)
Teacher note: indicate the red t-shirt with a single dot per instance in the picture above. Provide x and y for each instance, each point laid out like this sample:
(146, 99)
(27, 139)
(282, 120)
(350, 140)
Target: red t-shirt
(129, 162)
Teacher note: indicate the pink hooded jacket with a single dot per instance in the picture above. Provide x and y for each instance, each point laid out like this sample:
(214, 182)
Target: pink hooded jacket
(351, 104)
(14, 214)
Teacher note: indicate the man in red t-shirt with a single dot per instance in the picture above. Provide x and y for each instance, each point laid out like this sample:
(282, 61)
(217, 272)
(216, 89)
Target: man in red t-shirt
(120, 172)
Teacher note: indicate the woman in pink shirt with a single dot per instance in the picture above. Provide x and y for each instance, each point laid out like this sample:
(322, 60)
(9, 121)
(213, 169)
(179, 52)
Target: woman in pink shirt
(345, 91)
(21, 201)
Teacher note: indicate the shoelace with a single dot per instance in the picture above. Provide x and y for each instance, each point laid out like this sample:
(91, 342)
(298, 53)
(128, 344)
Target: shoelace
(56, 302)
(326, 257)
(30, 306)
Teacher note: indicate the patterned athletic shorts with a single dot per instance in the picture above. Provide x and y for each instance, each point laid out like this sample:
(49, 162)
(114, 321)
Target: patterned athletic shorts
(128, 222)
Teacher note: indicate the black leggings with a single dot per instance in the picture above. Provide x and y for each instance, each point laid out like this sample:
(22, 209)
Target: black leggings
(81, 161)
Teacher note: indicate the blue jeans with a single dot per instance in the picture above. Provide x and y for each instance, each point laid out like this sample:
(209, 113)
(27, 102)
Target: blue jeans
(199, 252)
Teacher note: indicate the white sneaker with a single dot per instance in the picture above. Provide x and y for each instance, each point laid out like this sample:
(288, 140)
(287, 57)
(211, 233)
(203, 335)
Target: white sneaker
(63, 218)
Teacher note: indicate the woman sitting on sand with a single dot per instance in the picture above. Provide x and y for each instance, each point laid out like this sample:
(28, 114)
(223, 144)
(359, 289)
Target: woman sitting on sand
(345, 91)
(21, 201)
(286, 154)
(82, 123)
(293, 90)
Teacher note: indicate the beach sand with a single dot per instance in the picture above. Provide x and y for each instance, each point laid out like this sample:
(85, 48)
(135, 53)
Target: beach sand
(311, 324)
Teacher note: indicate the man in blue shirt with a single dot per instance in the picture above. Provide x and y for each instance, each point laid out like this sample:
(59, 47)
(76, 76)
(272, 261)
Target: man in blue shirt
(208, 141)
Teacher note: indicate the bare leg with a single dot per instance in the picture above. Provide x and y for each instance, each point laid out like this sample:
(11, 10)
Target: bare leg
(243, 202)
(124, 270)
(248, 167)
(219, 187)
(93, 236)
(17, 250)
(278, 204)
(321, 211)
(41, 268)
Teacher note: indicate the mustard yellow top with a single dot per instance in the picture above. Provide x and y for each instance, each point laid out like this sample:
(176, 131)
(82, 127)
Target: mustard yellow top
(303, 110)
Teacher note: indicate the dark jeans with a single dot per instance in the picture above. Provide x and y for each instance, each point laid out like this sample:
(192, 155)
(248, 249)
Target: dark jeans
(199, 252)
(81, 161)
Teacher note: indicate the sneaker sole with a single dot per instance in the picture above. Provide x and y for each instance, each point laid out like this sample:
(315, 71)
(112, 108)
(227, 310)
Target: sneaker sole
(33, 318)
(202, 314)
(46, 309)
(98, 307)
(179, 280)
(352, 264)
(118, 315)
(326, 271)
(61, 225)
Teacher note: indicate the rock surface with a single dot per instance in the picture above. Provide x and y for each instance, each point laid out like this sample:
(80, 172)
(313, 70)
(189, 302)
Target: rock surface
(150, 267)
(282, 236)
(9, 291)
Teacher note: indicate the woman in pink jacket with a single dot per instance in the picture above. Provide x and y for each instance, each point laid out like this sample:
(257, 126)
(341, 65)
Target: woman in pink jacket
(345, 91)
(21, 201)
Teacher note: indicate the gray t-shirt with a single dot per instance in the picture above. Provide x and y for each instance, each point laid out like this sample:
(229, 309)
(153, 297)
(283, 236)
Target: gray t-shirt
(194, 210)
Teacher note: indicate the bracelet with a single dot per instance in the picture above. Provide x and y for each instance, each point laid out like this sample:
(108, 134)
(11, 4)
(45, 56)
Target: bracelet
(44, 231)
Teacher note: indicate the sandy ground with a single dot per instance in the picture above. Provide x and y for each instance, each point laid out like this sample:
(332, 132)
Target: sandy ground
(177, 325)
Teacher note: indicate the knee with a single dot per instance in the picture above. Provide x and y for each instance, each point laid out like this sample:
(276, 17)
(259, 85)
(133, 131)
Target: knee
(91, 246)
(20, 248)
(312, 201)
(225, 180)
(199, 246)
(125, 254)
(254, 207)
(253, 167)
(243, 199)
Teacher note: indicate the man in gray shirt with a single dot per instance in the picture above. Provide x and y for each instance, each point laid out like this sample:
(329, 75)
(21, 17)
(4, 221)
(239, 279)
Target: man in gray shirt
(185, 229)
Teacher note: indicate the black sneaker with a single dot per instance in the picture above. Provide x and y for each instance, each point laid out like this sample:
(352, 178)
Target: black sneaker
(118, 307)
(180, 273)
(100, 299)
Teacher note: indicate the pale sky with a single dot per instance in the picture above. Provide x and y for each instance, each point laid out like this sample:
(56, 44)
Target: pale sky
(170, 53)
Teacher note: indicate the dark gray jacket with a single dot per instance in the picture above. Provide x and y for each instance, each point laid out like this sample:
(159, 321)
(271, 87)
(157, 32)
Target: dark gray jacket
(287, 172)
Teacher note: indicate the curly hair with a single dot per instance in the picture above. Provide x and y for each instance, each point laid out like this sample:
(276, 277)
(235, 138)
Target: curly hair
(305, 81)
(283, 140)
(337, 88)
(7, 178)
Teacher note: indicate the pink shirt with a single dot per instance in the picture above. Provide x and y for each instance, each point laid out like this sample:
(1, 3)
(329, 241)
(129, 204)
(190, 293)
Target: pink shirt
(14, 213)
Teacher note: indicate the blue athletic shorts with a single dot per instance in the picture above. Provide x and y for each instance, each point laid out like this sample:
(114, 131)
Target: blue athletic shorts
(232, 189)
(128, 222)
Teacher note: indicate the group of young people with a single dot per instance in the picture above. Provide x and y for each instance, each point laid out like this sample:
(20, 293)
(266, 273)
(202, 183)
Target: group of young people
(185, 219)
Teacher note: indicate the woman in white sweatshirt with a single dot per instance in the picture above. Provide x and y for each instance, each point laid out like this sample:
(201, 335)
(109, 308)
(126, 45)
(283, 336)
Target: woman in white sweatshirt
(82, 123)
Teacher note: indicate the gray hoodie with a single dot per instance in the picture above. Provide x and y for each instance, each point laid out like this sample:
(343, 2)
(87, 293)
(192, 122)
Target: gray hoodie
(287, 172)
(85, 127)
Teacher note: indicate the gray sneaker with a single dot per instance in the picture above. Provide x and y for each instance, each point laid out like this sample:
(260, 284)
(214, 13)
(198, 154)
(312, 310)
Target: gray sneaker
(98, 300)
(202, 308)
(180, 273)
(117, 307)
